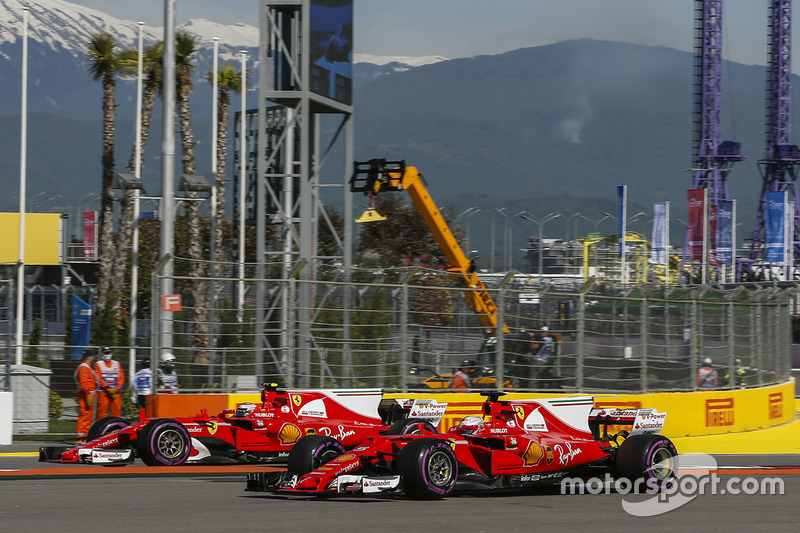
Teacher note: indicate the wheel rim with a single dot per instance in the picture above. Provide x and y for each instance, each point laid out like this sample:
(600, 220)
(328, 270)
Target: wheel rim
(325, 457)
(440, 469)
(661, 465)
(170, 443)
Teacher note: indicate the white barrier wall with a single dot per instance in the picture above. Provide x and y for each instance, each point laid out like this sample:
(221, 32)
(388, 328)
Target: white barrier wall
(6, 417)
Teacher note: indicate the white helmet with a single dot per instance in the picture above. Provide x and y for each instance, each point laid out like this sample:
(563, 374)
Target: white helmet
(167, 358)
(470, 425)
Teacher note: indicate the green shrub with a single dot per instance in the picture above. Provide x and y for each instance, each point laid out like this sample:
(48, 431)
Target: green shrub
(56, 406)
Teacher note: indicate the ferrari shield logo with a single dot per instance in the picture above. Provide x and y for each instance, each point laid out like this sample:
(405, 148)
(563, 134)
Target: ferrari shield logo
(212, 427)
(520, 411)
(297, 399)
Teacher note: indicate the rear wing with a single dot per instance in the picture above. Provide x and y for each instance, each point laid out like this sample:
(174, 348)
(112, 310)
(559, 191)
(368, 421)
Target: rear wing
(393, 409)
(603, 421)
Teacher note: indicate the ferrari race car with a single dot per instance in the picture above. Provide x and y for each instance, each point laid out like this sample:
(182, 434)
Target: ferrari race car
(251, 433)
(515, 444)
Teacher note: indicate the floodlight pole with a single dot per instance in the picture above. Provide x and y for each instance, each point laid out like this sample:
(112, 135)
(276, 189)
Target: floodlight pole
(23, 154)
(137, 171)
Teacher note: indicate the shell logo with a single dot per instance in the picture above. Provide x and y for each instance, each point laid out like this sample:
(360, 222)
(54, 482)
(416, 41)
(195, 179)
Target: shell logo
(549, 452)
(533, 455)
(345, 457)
(520, 411)
(289, 434)
(297, 399)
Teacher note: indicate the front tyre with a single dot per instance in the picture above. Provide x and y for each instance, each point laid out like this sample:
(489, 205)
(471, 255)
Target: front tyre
(428, 468)
(106, 425)
(652, 458)
(311, 452)
(163, 442)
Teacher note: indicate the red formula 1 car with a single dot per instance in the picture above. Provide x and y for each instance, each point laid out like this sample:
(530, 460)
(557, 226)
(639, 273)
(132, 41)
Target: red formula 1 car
(515, 444)
(251, 433)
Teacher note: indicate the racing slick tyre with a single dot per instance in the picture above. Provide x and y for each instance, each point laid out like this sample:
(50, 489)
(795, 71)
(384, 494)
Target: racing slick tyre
(428, 468)
(106, 425)
(652, 458)
(311, 452)
(411, 426)
(163, 442)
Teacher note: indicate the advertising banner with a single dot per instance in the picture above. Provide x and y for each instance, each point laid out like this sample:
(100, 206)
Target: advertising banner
(332, 49)
(724, 250)
(696, 213)
(81, 326)
(658, 254)
(90, 235)
(622, 192)
(774, 217)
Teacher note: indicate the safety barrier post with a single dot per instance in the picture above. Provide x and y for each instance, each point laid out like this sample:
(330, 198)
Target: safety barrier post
(404, 307)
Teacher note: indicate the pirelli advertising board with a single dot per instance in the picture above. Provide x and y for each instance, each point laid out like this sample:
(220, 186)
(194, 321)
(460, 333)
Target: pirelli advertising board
(44, 238)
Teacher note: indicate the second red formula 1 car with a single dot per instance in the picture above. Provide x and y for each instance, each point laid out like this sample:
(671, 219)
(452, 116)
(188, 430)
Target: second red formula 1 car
(251, 433)
(515, 444)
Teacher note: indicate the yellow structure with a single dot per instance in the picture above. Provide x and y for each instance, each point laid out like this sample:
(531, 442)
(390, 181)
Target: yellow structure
(44, 238)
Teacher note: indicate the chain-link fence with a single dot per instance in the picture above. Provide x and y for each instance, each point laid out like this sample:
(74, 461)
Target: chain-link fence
(409, 331)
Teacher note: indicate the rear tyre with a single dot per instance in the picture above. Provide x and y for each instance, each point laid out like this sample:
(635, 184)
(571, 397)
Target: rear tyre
(428, 468)
(311, 452)
(163, 442)
(106, 425)
(652, 458)
(411, 426)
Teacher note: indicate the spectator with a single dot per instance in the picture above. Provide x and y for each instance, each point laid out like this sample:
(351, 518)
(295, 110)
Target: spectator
(707, 377)
(142, 386)
(167, 373)
(112, 378)
(739, 381)
(461, 379)
(88, 384)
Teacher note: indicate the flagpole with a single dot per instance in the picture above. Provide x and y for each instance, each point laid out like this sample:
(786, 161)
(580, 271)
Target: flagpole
(23, 154)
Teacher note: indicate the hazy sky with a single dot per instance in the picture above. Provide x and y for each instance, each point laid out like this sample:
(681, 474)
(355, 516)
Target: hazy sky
(463, 28)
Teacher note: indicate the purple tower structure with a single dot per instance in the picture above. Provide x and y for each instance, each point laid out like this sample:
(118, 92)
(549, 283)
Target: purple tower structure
(712, 159)
(779, 166)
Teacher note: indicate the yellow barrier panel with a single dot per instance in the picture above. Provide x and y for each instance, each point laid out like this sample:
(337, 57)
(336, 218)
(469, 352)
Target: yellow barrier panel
(689, 413)
(42, 238)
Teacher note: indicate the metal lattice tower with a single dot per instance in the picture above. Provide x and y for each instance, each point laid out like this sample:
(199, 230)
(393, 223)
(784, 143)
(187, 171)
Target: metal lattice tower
(298, 98)
(713, 159)
(779, 166)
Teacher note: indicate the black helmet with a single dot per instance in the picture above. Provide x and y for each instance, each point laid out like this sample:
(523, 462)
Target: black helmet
(466, 363)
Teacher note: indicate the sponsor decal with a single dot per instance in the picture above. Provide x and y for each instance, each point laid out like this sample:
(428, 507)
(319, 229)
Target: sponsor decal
(535, 421)
(311, 431)
(297, 399)
(512, 443)
(369, 482)
(548, 453)
(344, 458)
(719, 412)
(498, 430)
(212, 427)
(618, 410)
(289, 434)
(343, 432)
(265, 415)
(532, 455)
(566, 453)
(776, 405)
(110, 443)
(429, 410)
(194, 429)
(285, 409)
(314, 408)
(541, 477)
(360, 448)
(520, 412)
(110, 455)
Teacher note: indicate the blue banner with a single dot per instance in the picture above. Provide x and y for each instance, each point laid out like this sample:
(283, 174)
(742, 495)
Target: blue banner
(773, 220)
(81, 326)
(724, 251)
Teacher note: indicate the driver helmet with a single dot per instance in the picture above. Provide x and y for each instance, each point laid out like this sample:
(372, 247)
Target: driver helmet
(167, 358)
(106, 353)
(470, 425)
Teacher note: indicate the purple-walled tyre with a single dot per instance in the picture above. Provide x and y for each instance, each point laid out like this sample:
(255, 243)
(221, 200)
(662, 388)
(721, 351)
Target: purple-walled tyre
(106, 425)
(163, 442)
(311, 452)
(652, 458)
(428, 469)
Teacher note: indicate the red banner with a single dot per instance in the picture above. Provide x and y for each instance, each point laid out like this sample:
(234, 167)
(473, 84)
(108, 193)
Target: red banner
(90, 235)
(696, 212)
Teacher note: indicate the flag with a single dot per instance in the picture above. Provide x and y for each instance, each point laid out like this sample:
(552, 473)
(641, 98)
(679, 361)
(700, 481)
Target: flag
(658, 254)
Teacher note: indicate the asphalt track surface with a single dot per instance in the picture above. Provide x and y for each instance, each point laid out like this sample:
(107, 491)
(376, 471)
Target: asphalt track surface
(44, 497)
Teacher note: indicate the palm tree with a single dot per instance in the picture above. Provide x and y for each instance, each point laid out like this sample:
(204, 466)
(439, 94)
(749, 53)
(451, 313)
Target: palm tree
(106, 62)
(229, 78)
(185, 49)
